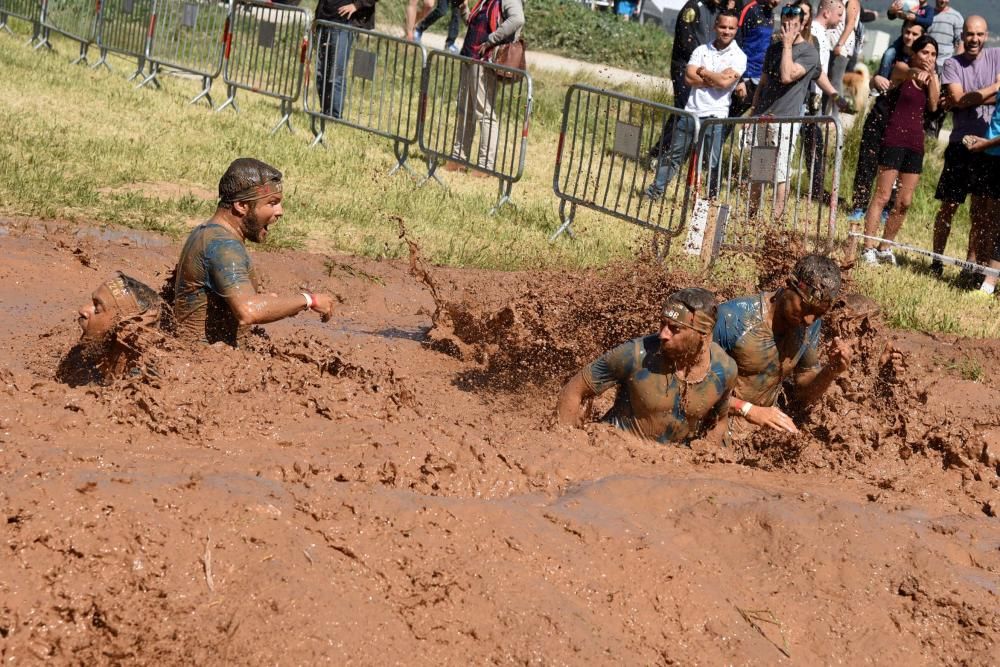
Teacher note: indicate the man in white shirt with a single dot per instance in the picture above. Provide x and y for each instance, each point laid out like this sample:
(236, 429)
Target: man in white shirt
(713, 71)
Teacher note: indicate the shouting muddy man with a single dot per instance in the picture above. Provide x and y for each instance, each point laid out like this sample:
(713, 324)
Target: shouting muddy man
(217, 292)
(672, 385)
(774, 337)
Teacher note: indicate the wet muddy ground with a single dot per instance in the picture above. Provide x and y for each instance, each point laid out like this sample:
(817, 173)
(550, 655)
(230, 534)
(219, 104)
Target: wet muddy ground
(388, 488)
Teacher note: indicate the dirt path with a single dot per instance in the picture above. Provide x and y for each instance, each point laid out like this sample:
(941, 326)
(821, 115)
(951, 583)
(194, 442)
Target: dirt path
(345, 493)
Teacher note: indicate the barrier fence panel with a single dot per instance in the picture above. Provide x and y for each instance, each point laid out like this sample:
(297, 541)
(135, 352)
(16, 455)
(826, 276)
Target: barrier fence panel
(365, 80)
(476, 115)
(26, 10)
(777, 178)
(601, 161)
(191, 36)
(125, 28)
(76, 19)
(266, 52)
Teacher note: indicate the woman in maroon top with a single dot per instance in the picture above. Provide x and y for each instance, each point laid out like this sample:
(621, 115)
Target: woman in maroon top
(902, 152)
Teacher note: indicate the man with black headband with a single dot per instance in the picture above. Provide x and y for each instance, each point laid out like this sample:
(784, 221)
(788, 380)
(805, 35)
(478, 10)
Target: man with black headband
(774, 336)
(672, 385)
(217, 291)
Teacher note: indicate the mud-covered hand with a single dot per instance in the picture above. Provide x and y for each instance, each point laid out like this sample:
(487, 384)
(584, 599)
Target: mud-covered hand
(892, 359)
(840, 356)
(347, 11)
(772, 418)
(323, 304)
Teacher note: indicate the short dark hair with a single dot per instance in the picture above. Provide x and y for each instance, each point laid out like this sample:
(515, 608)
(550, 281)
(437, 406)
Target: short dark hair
(728, 13)
(819, 271)
(697, 299)
(145, 296)
(910, 24)
(924, 40)
(244, 173)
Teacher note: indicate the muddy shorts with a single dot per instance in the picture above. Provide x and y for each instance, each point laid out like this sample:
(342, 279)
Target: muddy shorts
(965, 173)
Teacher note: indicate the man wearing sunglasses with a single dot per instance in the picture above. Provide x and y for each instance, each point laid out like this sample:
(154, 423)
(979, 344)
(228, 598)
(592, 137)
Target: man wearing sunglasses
(672, 385)
(774, 337)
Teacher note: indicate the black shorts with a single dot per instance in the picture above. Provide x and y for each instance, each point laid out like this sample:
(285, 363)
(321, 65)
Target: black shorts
(989, 181)
(903, 160)
(963, 174)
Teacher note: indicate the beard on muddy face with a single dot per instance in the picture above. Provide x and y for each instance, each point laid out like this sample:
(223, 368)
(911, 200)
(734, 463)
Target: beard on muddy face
(260, 215)
(678, 342)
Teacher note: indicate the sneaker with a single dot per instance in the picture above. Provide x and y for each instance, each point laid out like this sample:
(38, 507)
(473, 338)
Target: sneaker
(968, 280)
(453, 48)
(870, 257)
(937, 268)
(856, 214)
(417, 34)
(652, 194)
(885, 256)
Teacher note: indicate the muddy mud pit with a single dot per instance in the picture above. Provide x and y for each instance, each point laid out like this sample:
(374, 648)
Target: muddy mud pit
(389, 488)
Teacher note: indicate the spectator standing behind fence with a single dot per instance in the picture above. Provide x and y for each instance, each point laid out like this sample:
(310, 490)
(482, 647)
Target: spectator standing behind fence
(969, 82)
(491, 23)
(417, 11)
(458, 8)
(712, 73)
(902, 152)
(878, 117)
(842, 42)
(335, 48)
(989, 147)
(753, 37)
(791, 65)
(947, 30)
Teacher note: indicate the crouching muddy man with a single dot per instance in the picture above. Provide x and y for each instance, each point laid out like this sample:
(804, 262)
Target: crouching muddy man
(217, 291)
(773, 337)
(672, 385)
(119, 310)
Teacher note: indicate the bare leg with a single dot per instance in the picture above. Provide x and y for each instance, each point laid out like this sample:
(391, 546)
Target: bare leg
(983, 231)
(942, 224)
(907, 186)
(883, 190)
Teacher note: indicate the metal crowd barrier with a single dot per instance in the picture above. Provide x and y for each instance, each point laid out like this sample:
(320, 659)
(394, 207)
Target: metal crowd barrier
(191, 36)
(266, 53)
(76, 19)
(602, 156)
(125, 27)
(366, 80)
(463, 98)
(776, 177)
(26, 10)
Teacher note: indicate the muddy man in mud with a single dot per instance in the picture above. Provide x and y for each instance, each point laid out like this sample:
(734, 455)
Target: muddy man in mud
(774, 337)
(672, 385)
(121, 302)
(217, 292)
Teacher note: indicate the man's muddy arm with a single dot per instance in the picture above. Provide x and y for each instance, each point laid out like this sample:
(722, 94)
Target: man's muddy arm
(812, 384)
(572, 400)
(262, 309)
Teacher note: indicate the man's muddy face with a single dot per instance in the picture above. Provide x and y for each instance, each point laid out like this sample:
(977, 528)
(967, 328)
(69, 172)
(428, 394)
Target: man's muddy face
(262, 214)
(795, 312)
(678, 341)
(97, 317)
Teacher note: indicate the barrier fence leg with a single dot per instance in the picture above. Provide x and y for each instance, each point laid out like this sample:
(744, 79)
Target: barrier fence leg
(103, 60)
(230, 101)
(432, 166)
(567, 221)
(153, 77)
(43, 40)
(206, 91)
(286, 118)
(317, 134)
(139, 70)
(82, 58)
(503, 195)
(402, 152)
(3, 24)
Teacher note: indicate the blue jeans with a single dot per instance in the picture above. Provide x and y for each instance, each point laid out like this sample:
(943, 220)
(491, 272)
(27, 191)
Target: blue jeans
(679, 150)
(334, 51)
(439, 10)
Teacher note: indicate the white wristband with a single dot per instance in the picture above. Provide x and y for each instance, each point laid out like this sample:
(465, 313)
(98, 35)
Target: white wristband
(309, 300)
(745, 410)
